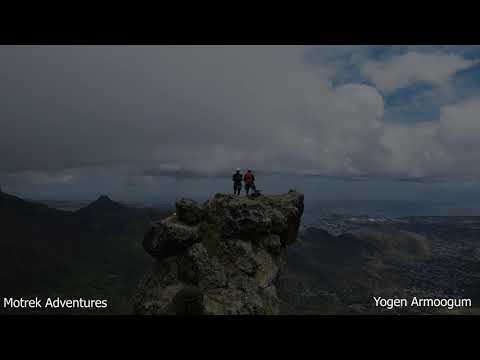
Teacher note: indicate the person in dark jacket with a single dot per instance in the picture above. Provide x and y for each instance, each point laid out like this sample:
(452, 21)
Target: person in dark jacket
(237, 182)
(249, 180)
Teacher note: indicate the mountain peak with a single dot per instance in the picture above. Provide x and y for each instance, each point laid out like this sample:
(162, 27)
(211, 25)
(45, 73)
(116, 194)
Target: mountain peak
(104, 203)
(104, 199)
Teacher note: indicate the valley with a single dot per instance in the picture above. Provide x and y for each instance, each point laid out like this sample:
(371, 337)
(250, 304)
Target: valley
(434, 257)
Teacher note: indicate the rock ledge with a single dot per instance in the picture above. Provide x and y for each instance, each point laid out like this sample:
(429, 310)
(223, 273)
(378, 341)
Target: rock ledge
(220, 257)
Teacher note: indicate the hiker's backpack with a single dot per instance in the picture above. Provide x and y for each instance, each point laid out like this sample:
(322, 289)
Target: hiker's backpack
(256, 193)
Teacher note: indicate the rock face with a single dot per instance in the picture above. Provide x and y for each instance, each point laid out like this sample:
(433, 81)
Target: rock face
(220, 257)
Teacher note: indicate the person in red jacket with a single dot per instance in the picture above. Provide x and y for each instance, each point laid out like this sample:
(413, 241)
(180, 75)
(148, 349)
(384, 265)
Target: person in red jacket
(249, 180)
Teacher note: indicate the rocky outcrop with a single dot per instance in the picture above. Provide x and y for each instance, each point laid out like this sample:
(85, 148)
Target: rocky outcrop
(220, 257)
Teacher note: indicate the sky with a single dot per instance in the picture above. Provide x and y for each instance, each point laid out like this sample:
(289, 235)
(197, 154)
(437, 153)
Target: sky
(77, 115)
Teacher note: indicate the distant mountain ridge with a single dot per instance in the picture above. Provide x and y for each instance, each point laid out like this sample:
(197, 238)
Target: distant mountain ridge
(8, 201)
(46, 251)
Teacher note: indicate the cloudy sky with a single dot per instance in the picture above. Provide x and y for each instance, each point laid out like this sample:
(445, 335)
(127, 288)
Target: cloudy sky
(67, 112)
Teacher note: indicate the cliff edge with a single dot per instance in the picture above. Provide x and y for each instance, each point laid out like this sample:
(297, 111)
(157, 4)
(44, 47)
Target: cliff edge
(220, 257)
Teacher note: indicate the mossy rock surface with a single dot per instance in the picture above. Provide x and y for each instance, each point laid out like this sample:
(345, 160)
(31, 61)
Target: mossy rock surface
(226, 257)
(210, 238)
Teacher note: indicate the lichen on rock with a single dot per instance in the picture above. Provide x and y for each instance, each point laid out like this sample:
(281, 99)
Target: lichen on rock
(220, 257)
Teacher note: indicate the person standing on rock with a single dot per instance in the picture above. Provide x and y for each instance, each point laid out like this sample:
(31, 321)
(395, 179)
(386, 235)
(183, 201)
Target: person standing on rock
(237, 182)
(249, 180)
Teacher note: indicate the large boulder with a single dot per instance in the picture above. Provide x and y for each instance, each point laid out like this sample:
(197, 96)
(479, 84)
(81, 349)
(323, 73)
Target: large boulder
(189, 211)
(169, 237)
(250, 218)
(221, 257)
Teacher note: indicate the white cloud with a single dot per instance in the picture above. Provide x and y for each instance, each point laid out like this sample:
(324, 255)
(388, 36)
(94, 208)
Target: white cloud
(204, 108)
(406, 69)
(459, 124)
(446, 147)
(214, 108)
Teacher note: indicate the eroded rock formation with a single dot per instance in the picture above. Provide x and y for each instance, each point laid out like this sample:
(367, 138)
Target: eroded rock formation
(220, 257)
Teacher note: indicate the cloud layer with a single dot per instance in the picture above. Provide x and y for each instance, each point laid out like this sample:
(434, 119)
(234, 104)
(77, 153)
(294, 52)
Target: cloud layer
(210, 109)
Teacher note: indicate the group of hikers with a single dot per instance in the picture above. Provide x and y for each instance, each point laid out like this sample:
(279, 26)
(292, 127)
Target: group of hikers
(248, 179)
